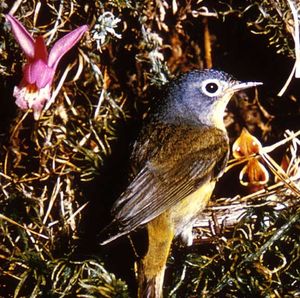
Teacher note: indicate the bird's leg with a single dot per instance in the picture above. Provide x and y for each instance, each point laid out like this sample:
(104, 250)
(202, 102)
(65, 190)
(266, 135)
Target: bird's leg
(152, 266)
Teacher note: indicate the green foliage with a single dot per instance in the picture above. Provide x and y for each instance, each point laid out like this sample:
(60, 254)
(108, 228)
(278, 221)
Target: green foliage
(132, 49)
(260, 258)
(276, 21)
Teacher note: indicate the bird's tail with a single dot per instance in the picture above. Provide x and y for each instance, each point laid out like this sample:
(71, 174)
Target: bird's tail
(152, 266)
(150, 287)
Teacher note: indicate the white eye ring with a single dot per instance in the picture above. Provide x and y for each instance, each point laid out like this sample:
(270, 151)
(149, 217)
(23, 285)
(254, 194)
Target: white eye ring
(211, 87)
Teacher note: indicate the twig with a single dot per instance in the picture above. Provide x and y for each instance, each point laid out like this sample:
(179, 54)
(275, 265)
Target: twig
(76, 212)
(52, 199)
(15, 7)
(278, 171)
(56, 91)
(271, 148)
(207, 44)
(23, 227)
(56, 25)
(281, 92)
(36, 13)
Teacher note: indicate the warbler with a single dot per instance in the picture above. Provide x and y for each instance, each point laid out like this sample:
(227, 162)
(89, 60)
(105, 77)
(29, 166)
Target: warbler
(178, 156)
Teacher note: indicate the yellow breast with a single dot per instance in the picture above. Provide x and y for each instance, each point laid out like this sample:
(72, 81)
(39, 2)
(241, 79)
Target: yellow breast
(184, 214)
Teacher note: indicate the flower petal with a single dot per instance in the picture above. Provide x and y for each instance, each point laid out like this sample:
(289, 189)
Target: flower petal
(22, 36)
(19, 92)
(63, 45)
(40, 102)
(245, 145)
(39, 73)
(30, 97)
(254, 173)
(40, 50)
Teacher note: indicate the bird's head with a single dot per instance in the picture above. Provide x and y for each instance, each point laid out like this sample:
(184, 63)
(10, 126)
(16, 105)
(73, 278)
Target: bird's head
(200, 96)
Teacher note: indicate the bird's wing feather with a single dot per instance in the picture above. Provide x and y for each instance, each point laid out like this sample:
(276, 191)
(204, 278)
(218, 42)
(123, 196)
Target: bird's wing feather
(148, 196)
(169, 175)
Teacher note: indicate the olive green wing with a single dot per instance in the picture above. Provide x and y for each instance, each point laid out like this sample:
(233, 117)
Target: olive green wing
(176, 166)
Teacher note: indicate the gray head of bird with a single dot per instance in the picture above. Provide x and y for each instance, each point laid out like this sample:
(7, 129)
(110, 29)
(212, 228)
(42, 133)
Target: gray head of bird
(199, 97)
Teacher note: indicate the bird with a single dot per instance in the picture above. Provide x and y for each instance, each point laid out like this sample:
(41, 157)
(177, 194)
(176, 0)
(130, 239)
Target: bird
(178, 156)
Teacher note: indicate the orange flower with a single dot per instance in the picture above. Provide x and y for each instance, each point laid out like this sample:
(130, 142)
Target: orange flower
(254, 174)
(245, 145)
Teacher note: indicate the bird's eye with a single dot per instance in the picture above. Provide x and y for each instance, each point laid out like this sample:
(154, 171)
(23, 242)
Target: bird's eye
(211, 87)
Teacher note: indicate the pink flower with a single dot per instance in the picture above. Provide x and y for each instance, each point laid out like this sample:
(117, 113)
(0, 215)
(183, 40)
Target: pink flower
(38, 73)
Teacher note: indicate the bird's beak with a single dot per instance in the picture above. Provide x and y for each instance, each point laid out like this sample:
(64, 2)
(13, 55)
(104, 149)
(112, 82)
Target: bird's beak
(243, 85)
